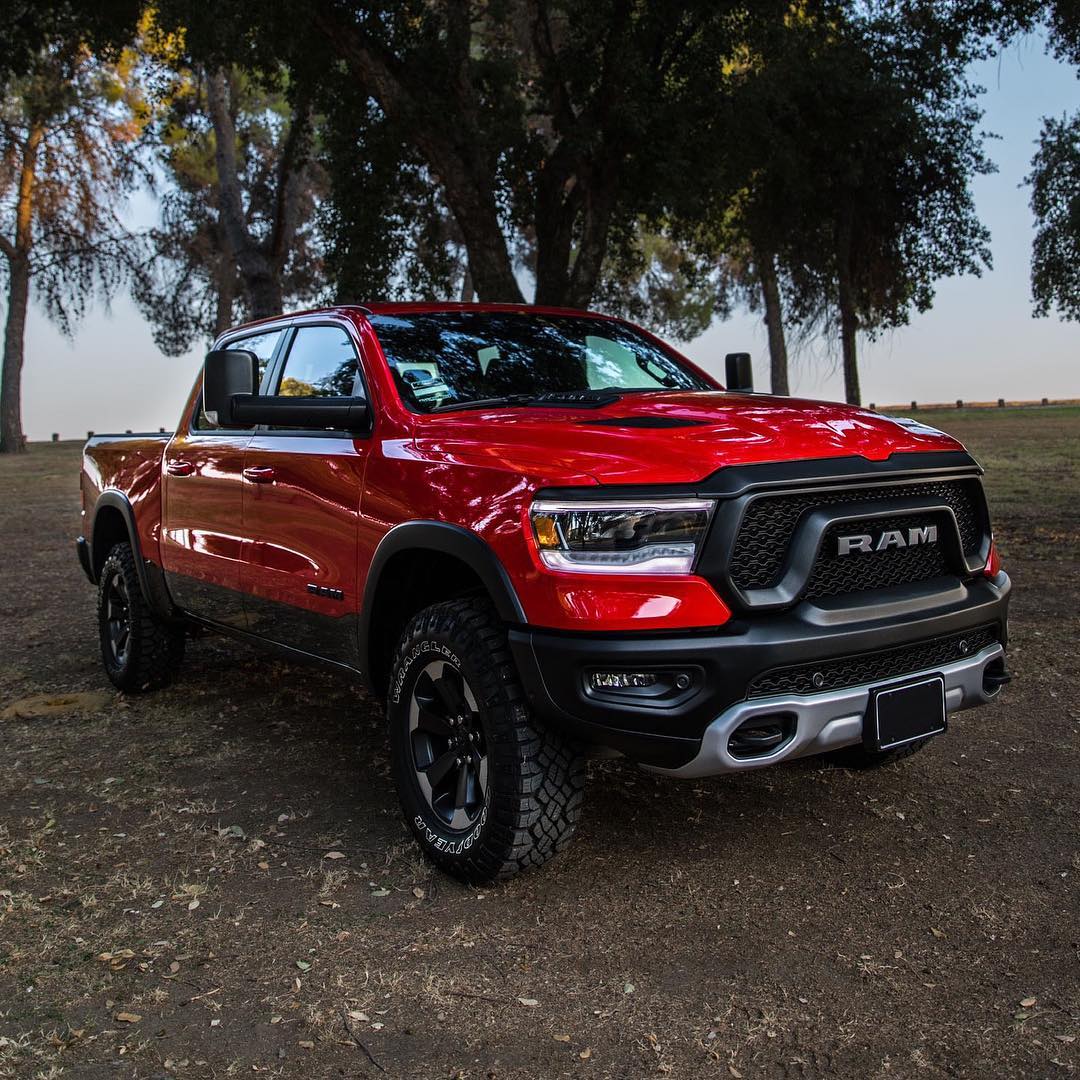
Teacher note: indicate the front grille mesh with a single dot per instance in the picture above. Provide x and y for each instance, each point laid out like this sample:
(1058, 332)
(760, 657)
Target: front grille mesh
(838, 575)
(769, 523)
(872, 667)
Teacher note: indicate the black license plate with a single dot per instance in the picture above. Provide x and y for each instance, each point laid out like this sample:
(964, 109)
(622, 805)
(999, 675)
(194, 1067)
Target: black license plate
(902, 714)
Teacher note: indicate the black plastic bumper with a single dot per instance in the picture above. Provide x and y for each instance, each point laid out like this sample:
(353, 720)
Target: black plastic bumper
(664, 726)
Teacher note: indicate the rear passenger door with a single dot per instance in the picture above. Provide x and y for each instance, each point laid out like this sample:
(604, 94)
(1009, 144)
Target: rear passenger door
(301, 506)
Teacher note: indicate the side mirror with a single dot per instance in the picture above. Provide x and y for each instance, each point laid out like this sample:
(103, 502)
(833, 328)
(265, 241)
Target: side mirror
(225, 373)
(740, 373)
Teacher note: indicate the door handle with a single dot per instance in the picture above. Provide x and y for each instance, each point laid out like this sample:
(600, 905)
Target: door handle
(259, 474)
(180, 468)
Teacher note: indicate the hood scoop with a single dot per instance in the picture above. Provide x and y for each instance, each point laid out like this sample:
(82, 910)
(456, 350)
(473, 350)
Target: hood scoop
(644, 422)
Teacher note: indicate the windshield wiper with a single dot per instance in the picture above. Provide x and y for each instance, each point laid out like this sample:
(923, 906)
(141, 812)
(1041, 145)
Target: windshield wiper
(566, 399)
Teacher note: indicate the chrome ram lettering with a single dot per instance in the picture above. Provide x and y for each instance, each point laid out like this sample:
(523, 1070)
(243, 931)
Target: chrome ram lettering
(889, 538)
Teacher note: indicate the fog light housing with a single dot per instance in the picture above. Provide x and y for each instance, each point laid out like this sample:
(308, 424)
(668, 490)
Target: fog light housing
(621, 680)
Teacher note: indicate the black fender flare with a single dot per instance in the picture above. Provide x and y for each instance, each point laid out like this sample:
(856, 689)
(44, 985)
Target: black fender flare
(151, 577)
(447, 539)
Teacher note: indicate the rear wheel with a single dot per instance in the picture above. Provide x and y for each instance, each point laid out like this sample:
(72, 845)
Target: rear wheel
(139, 651)
(485, 788)
(858, 757)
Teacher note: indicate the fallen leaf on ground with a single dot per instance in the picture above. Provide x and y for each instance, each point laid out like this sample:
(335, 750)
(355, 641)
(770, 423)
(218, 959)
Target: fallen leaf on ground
(1028, 1002)
(528, 1002)
(561, 1038)
(936, 932)
(127, 1018)
(303, 965)
(335, 855)
(418, 893)
(307, 1044)
(585, 1054)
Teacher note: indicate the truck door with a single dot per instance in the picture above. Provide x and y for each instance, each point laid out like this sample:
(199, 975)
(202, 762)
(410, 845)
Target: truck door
(202, 506)
(302, 493)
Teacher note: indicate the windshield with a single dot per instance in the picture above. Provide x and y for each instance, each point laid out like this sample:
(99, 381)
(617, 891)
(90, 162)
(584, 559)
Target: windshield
(443, 360)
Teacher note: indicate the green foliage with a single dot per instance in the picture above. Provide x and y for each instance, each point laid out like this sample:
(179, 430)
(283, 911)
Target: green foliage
(33, 28)
(1055, 202)
(70, 153)
(191, 283)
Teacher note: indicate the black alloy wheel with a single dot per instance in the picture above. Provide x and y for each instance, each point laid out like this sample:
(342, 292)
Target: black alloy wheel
(449, 752)
(117, 617)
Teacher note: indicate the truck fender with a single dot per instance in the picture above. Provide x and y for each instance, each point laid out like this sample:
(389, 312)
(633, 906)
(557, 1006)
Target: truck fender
(151, 578)
(447, 539)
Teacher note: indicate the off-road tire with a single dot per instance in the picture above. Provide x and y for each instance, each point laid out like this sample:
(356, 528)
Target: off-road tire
(858, 757)
(535, 777)
(153, 650)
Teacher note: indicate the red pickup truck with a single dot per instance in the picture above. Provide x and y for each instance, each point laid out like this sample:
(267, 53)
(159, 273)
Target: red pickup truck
(540, 533)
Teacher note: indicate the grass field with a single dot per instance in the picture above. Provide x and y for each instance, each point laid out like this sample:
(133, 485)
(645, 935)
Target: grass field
(171, 903)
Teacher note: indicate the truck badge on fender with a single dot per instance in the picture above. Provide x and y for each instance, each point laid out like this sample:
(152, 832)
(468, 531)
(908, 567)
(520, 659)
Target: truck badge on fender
(889, 538)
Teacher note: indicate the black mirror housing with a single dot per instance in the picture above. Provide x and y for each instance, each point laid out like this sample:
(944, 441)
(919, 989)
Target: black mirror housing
(740, 373)
(225, 373)
(315, 413)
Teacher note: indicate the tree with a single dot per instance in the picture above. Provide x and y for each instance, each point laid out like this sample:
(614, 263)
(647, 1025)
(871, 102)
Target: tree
(547, 125)
(897, 192)
(33, 28)
(69, 154)
(1055, 202)
(238, 232)
(1055, 189)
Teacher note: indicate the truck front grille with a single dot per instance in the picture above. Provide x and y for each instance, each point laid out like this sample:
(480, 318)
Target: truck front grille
(765, 534)
(873, 667)
(838, 575)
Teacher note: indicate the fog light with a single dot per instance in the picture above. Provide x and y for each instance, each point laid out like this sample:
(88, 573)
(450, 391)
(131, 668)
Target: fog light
(621, 680)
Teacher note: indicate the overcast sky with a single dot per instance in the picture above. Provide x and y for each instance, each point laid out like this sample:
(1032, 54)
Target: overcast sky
(979, 342)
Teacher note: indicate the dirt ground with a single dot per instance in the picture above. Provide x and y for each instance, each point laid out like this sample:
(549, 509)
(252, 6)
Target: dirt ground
(214, 880)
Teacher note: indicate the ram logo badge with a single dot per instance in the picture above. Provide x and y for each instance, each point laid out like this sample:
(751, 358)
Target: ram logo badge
(889, 538)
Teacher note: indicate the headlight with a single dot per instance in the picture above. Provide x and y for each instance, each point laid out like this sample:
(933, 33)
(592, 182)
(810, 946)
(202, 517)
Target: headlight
(656, 536)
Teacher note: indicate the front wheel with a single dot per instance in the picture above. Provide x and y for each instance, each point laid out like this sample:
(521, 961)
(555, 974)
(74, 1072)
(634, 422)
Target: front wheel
(139, 651)
(486, 790)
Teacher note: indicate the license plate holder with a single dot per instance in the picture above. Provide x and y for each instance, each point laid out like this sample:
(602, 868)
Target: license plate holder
(901, 714)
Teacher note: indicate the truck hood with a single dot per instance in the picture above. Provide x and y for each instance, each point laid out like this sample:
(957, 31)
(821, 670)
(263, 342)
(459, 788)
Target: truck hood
(673, 437)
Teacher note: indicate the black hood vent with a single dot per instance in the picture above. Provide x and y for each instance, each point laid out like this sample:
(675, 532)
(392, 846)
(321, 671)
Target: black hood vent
(644, 422)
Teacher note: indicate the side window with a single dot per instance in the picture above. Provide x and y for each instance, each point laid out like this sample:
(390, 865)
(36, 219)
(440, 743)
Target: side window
(321, 363)
(263, 346)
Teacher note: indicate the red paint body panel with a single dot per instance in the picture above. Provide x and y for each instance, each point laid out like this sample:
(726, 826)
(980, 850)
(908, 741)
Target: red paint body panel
(332, 500)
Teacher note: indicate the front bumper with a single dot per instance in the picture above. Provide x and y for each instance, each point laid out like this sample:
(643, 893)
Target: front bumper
(824, 722)
(685, 732)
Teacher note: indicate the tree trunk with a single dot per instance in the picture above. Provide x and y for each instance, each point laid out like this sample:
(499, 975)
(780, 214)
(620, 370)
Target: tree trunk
(18, 256)
(476, 213)
(467, 291)
(443, 123)
(259, 265)
(849, 319)
(774, 322)
(11, 432)
(263, 294)
(226, 292)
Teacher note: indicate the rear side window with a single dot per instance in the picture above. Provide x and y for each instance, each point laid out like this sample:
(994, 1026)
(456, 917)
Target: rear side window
(321, 363)
(263, 346)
